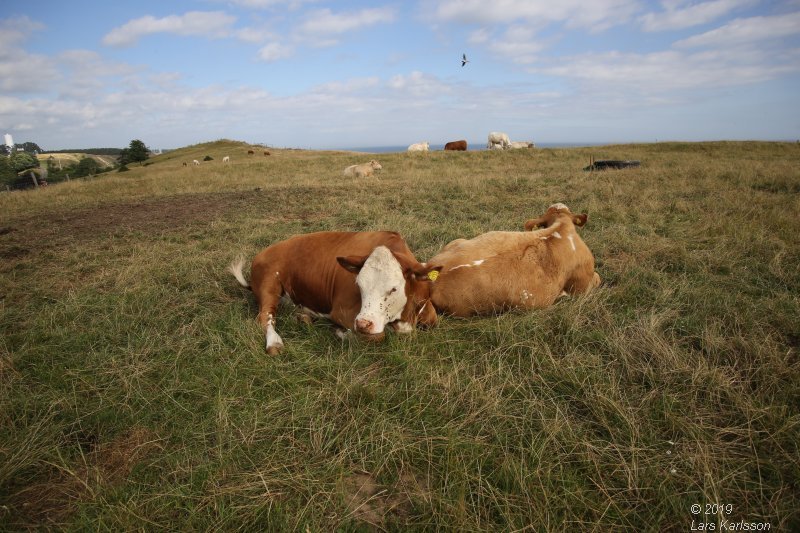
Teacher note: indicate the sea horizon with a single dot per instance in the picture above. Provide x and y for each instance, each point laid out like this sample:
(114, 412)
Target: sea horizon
(477, 146)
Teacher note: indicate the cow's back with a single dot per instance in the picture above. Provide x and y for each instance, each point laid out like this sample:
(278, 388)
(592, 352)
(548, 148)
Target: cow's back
(496, 271)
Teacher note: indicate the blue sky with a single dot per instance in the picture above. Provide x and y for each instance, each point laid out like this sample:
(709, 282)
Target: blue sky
(317, 74)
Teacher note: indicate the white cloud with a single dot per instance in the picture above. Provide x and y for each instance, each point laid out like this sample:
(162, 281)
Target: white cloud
(275, 52)
(255, 35)
(670, 72)
(595, 15)
(21, 71)
(479, 36)
(322, 27)
(214, 24)
(748, 30)
(419, 85)
(15, 30)
(517, 44)
(354, 85)
(678, 15)
(267, 4)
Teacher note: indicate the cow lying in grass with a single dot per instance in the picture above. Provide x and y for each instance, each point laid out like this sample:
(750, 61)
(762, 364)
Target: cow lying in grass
(503, 270)
(362, 281)
(362, 170)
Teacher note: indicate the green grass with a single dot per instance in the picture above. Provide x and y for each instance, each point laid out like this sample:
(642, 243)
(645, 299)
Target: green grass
(135, 392)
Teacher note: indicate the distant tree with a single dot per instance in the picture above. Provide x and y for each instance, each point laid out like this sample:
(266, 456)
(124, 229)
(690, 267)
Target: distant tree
(136, 152)
(7, 172)
(86, 167)
(30, 147)
(23, 161)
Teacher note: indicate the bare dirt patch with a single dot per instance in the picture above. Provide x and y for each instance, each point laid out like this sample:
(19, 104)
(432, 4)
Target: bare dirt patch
(32, 234)
(373, 504)
(153, 216)
(52, 501)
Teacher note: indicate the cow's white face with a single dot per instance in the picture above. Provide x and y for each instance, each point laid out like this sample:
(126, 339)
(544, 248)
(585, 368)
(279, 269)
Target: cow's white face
(383, 292)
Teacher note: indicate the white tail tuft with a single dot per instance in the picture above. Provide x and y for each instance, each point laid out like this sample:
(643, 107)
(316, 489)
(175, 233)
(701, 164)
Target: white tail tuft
(235, 268)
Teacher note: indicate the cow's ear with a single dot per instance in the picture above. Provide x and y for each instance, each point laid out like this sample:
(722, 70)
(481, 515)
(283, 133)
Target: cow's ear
(426, 273)
(580, 220)
(534, 223)
(352, 263)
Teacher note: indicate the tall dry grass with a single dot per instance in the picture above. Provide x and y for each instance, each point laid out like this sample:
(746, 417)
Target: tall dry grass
(135, 392)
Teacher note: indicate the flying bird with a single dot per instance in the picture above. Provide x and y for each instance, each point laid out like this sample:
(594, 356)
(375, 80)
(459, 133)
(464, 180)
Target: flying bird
(464, 59)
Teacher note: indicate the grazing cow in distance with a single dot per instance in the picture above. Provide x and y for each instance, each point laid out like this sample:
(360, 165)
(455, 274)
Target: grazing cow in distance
(226, 159)
(498, 138)
(456, 145)
(185, 164)
(419, 147)
(251, 152)
(362, 170)
(195, 162)
(266, 153)
(362, 281)
(522, 144)
(503, 270)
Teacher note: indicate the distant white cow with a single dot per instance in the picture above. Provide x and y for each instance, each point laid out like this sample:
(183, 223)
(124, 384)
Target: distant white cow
(522, 144)
(419, 147)
(362, 170)
(195, 162)
(226, 159)
(500, 138)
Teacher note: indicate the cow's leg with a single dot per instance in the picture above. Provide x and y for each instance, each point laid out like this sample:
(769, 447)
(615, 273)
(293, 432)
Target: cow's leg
(268, 299)
(400, 326)
(583, 283)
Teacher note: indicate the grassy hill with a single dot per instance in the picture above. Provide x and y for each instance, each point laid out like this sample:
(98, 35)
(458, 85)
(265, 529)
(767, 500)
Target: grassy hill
(135, 391)
(72, 158)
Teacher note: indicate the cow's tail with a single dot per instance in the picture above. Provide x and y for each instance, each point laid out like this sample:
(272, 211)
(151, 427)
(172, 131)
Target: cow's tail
(236, 268)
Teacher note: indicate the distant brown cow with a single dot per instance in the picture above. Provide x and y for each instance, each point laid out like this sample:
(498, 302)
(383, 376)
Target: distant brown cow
(456, 145)
(251, 152)
(185, 164)
(266, 153)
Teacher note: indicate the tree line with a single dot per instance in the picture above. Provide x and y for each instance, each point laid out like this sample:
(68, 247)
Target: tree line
(16, 163)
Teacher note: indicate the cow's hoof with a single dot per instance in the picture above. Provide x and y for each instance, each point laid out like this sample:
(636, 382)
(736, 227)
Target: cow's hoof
(305, 319)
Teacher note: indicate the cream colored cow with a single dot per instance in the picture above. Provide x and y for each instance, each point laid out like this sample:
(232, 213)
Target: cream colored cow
(503, 270)
(362, 170)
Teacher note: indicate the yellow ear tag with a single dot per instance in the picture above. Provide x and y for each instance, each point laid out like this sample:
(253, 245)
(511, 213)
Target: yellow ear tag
(433, 274)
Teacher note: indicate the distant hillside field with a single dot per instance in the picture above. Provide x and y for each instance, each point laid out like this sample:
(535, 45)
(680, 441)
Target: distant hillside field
(72, 158)
(136, 393)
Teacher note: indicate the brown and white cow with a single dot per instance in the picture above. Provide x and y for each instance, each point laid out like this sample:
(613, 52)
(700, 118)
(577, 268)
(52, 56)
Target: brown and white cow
(362, 281)
(456, 145)
(503, 270)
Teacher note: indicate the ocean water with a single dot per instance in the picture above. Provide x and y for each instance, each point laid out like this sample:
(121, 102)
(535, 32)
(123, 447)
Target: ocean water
(472, 147)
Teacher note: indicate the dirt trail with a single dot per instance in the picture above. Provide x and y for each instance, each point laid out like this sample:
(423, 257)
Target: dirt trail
(21, 236)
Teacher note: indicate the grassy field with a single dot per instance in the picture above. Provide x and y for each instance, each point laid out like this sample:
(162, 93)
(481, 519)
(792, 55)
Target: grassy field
(135, 392)
(73, 158)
